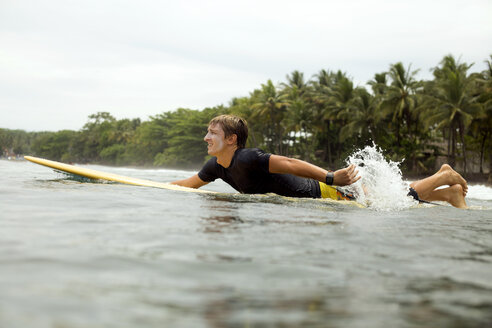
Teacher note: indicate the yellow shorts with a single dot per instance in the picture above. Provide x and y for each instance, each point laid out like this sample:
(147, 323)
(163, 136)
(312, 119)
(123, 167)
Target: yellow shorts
(333, 193)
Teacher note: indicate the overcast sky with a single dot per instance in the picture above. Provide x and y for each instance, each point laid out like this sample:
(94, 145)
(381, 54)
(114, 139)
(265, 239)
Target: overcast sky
(63, 60)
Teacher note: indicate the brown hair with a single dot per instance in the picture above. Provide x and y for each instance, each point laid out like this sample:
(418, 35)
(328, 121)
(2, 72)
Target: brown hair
(232, 124)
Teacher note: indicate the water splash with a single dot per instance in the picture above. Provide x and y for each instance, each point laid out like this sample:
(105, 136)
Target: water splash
(381, 186)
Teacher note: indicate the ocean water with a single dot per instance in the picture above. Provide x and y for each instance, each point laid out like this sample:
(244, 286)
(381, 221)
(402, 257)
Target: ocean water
(82, 254)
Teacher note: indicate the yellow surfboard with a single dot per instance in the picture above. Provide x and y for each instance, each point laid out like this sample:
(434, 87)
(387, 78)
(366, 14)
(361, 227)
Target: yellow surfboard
(94, 174)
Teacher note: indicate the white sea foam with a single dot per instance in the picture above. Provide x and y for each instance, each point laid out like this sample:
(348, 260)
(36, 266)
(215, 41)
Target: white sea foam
(381, 186)
(481, 192)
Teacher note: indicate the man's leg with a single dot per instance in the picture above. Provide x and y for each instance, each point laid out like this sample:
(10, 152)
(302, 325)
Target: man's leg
(453, 195)
(445, 176)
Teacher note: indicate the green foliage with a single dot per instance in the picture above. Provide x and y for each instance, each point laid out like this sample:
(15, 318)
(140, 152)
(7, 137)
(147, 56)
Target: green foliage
(113, 154)
(55, 145)
(321, 120)
(185, 134)
(270, 106)
(454, 103)
(15, 141)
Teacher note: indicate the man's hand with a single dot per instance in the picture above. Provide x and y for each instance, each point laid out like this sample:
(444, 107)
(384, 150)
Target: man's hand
(346, 176)
(192, 182)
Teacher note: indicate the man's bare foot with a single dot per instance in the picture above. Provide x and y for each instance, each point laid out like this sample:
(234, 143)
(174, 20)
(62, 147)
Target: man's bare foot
(453, 177)
(456, 196)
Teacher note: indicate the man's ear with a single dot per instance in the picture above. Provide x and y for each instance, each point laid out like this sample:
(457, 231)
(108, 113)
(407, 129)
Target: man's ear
(232, 139)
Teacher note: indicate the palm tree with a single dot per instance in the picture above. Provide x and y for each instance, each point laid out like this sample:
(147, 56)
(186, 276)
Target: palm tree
(300, 124)
(270, 106)
(319, 95)
(379, 84)
(343, 93)
(300, 114)
(296, 84)
(330, 95)
(399, 98)
(482, 123)
(454, 103)
(362, 117)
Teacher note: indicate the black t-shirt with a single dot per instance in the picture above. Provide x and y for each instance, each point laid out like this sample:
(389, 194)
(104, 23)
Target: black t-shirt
(248, 173)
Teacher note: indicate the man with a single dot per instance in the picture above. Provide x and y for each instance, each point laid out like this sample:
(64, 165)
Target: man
(250, 170)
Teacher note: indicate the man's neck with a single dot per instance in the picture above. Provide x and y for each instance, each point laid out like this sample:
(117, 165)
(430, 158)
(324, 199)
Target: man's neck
(225, 158)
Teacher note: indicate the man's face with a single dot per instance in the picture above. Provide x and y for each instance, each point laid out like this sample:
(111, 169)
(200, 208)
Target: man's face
(215, 138)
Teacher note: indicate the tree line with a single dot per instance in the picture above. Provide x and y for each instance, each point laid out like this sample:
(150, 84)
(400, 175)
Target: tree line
(322, 120)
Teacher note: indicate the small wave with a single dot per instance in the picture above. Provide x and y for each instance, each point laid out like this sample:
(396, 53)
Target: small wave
(480, 192)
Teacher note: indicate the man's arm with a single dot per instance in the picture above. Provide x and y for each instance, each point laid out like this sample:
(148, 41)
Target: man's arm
(282, 164)
(192, 182)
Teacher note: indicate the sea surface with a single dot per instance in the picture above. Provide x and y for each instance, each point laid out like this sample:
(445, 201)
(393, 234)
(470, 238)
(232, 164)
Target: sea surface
(85, 254)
